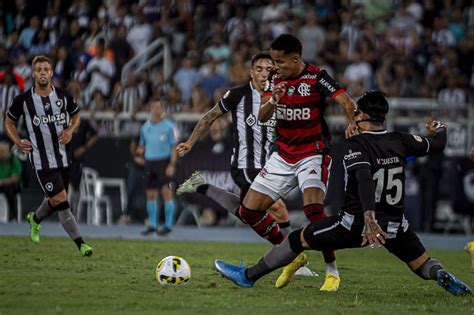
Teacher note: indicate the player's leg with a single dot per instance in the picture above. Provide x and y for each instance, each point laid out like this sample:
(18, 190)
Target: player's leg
(152, 203)
(170, 210)
(313, 175)
(328, 233)
(408, 248)
(45, 179)
(196, 183)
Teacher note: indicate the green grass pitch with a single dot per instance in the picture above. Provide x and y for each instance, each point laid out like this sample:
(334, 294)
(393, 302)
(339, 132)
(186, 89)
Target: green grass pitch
(52, 278)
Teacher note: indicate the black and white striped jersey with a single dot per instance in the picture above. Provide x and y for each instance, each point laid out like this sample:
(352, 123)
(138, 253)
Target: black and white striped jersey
(45, 118)
(8, 94)
(252, 139)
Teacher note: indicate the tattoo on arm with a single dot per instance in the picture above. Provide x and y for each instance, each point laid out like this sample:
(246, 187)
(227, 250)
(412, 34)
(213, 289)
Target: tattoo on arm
(204, 123)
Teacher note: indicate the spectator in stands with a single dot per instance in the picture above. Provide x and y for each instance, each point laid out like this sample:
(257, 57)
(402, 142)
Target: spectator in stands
(313, 36)
(213, 80)
(9, 89)
(23, 68)
(40, 44)
(75, 89)
(140, 35)
(10, 176)
(101, 70)
(220, 53)
(131, 97)
(452, 96)
(63, 68)
(15, 49)
(238, 73)
(27, 34)
(186, 78)
(121, 48)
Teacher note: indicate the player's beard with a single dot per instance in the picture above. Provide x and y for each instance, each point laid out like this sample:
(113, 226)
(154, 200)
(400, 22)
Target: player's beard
(43, 83)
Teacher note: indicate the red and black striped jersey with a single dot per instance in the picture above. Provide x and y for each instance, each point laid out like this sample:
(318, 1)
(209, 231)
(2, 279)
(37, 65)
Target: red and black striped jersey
(301, 130)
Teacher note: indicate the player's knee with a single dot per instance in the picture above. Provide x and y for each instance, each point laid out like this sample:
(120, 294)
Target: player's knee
(248, 215)
(279, 212)
(294, 238)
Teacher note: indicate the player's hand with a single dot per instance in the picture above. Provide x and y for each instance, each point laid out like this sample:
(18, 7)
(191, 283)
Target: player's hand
(433, 126)
(373, 234)
(183, 148)
(25, 146)
(139, 160)
(170, 170)
(65, 136)
(351, 130)
(279, 90)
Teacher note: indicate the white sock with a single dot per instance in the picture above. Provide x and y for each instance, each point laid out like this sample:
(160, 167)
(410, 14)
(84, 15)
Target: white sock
(332, 269)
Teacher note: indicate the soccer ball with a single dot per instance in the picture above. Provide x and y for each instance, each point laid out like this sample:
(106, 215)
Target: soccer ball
(173, 270)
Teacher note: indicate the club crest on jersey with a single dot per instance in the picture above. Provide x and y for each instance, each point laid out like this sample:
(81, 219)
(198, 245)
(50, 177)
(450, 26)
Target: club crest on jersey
(59, 103)
(286, 113)
(251, 120)
(49, 186)
(304, 89)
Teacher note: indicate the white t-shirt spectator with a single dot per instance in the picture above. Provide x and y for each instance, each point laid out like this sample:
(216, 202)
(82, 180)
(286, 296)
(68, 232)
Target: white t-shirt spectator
(100, 80)
(139, 37)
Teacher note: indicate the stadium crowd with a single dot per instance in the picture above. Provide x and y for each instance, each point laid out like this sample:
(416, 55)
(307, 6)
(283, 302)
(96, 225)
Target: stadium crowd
(427, 47)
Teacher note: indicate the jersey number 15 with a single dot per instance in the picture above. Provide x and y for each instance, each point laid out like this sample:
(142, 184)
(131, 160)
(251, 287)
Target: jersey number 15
(392, 182)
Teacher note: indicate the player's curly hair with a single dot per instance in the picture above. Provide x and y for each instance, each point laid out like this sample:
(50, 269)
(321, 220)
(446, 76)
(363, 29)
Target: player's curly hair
(288, 43)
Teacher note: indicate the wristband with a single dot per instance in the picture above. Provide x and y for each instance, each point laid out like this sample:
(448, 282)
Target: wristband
(272, 101)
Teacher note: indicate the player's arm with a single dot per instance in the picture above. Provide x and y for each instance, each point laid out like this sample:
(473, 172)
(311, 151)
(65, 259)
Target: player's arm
(201, 128)
(269, 100)
(373, 233)
(435, 142)
(14, 113)
(349, 106)
(66, 135)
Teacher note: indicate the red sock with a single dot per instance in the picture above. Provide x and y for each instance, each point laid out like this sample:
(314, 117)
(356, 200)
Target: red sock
(262, 223)
(315, 212)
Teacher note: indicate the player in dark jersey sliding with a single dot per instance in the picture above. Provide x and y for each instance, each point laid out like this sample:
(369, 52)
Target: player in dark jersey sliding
(373, 211)
(51, 116)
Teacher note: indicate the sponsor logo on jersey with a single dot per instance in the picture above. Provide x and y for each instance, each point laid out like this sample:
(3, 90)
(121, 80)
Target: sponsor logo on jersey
(352, 155)
(327, 85)
(309, 76)
(59, 119)
(268, 123)
(286, 113)
(291, 90)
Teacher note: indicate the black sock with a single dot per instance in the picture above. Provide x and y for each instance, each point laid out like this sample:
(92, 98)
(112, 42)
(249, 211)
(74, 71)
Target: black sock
(202, 189)
(257, 271)
(35, 218)
(78, 242)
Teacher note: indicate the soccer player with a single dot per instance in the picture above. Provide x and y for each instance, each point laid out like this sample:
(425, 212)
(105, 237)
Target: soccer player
(251, 147)
(373, 210)
(296, 92)
(51, 116)
(157, 145)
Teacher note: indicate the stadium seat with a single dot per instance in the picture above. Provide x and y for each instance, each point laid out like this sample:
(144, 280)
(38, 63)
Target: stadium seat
(91, 189)
(5, 210)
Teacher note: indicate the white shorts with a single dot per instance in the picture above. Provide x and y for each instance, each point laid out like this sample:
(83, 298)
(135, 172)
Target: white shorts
(278, 177)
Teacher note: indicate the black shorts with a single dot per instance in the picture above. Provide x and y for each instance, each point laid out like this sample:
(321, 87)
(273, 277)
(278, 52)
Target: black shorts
(243, 178)
(53, 181)
(155, 174)
(339, 232)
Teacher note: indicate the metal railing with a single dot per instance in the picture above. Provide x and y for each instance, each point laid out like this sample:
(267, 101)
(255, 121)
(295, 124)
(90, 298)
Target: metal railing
(158, 51)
